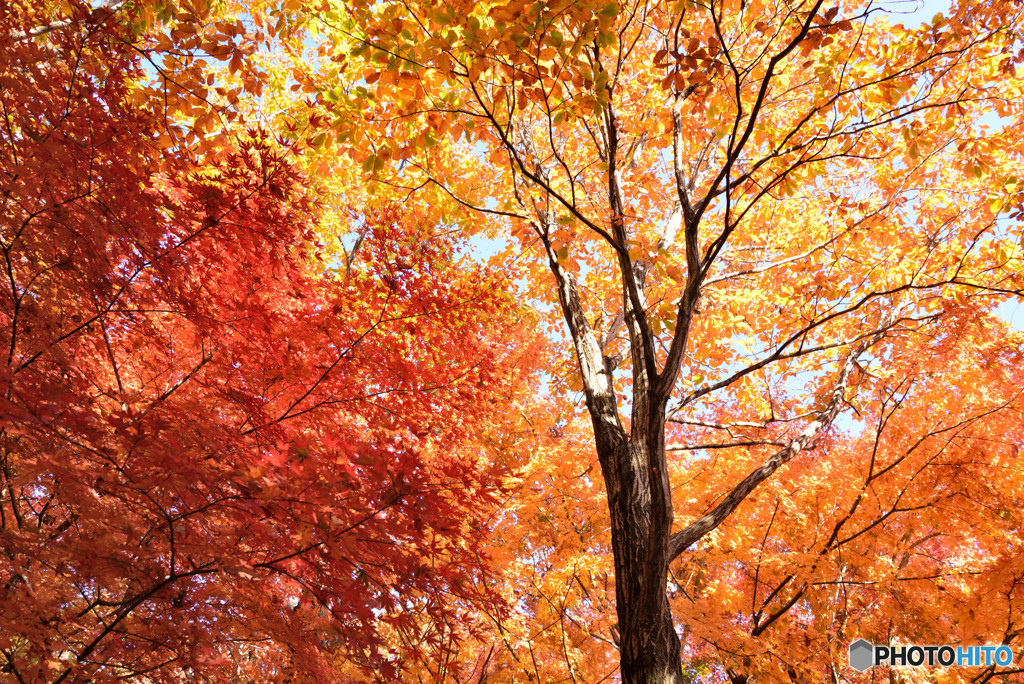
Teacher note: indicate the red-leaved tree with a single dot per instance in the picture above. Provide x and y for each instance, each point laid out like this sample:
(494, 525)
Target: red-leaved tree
(220, 454)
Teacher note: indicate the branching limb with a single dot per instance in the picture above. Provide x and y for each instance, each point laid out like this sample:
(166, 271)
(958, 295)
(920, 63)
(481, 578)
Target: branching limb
(105, 9)
(700, 527)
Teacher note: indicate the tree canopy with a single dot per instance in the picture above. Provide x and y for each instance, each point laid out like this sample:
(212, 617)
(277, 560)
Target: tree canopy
(567, 341)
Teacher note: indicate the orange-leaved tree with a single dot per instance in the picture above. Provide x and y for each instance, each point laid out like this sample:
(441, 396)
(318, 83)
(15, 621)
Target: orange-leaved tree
(223, 454)
(782, 238)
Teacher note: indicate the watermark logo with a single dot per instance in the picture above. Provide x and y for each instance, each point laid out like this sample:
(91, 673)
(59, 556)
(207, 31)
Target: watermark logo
(864, 655)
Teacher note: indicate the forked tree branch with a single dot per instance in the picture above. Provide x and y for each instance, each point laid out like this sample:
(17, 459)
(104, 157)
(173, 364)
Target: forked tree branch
(682, 540)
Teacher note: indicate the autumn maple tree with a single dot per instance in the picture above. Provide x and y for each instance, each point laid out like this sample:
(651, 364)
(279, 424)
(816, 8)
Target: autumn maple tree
(261, 418)
(223, 452)
(781, 238)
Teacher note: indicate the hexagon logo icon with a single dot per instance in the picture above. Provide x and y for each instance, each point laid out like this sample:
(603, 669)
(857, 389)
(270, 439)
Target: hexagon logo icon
(862, 655)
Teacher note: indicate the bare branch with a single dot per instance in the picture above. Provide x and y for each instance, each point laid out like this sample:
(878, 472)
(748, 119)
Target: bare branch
(108, 7)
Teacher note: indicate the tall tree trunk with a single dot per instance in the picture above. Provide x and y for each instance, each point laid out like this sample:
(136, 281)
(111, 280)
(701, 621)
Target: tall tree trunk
(636, 480)
(648, 643)
(649, 647)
